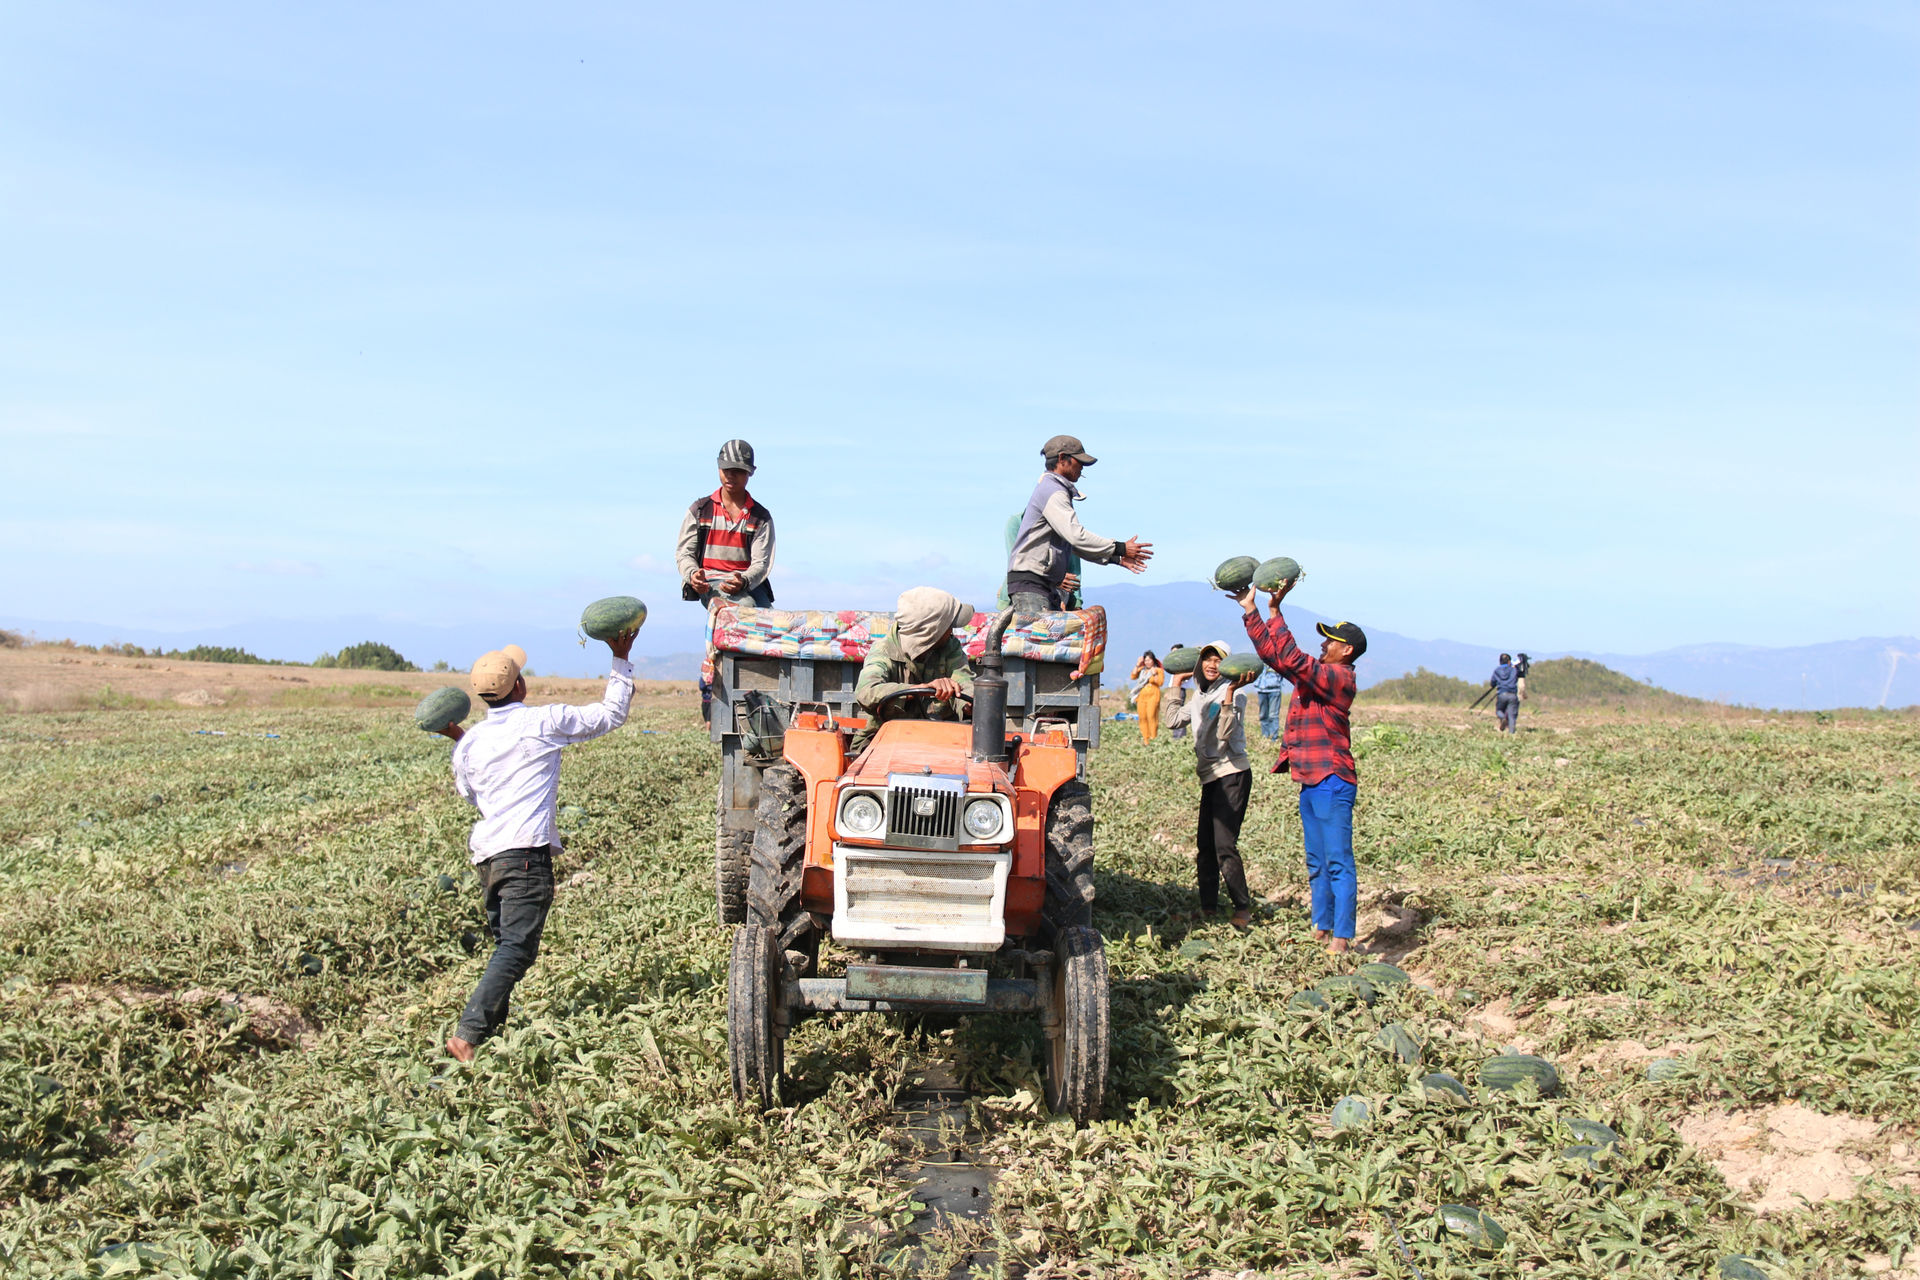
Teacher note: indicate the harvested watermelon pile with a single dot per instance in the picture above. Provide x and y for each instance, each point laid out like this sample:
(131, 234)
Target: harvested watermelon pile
(226, 962)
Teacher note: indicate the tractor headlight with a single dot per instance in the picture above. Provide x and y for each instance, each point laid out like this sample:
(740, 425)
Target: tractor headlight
(983, 819)
(861, 815)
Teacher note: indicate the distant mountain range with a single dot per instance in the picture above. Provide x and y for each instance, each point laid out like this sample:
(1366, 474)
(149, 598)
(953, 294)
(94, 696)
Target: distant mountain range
(1844, 673)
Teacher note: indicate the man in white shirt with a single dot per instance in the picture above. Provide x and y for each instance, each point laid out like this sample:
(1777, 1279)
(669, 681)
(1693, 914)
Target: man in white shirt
(508, 767)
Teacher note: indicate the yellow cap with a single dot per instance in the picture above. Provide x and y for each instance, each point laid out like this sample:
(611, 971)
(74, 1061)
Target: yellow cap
(495, 672)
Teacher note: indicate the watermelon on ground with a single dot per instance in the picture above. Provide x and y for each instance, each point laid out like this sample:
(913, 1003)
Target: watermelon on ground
(1382, 974)
(1590, 1131)
(1235, 574)
(1737, 1266)
(605, 619)
(1509, 1070)
(1661, 1070)
(1475, 1226)
(1346, 988)
(1394, 1038)
(1441, 1082)
(1584, 1152)
(1351, 1112)
(1308, 1002)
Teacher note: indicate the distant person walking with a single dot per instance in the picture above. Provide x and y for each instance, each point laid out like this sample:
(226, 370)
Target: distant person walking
(1050, 534)
(1271, 689)
(1148, 678)
(1217, 712)
(725, 550)
(1523, 664)
(1171, 702)
(1317, 749)
(508, 767)
(1506, 694)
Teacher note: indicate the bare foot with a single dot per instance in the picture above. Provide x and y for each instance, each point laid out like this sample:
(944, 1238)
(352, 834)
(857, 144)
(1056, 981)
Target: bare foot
(1319, 935)
(460, 1049)
(1339, 946)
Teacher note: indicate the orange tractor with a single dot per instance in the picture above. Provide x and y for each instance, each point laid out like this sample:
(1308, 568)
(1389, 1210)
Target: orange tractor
(951, 862)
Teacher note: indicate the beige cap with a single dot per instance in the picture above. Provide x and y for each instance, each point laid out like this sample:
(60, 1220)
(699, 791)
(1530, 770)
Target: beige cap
(1220, 647)
(494, 672)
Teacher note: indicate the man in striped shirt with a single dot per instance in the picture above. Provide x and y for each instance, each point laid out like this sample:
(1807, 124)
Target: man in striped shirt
(725, 550)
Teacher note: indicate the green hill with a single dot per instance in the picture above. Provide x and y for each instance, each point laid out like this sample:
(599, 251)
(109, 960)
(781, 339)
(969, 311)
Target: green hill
(1565, 680)
(1428, 688)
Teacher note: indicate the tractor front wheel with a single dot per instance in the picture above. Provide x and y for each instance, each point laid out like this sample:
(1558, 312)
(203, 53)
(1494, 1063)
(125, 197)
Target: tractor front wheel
(755, 1050)
(1077, 1045)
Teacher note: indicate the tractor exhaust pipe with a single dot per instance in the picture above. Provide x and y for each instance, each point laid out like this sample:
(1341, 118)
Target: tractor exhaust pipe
(990, 696)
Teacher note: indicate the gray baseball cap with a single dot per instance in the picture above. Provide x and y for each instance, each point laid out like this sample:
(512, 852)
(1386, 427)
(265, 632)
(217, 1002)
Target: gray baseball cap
(737, 454)
(1067, 447)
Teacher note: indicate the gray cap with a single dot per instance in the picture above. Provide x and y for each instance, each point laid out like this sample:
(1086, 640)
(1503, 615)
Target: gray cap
(1067, 447)
(737, 454)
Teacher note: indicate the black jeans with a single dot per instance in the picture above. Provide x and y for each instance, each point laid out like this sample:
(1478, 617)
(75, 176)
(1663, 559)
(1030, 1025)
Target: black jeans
(518, 885)
(1223, 807)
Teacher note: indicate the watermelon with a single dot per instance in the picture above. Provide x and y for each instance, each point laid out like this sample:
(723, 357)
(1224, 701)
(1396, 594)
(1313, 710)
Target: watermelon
(1737, 1266)
(1590, 1131)
(1381, 974)
(1235, 575)
(1394, 1038)
(1441, 1082)
(1308, 1002)
(311, 964)
(445, 882)
(1276, 573)
(1346, 988)
(1474, 1226)
(1508, 1070)
(1236, 665)
(1181, 662)
(442, 708)
(1661, 1070)
(1585, 1152)
(605, 619)
(1351, 1112)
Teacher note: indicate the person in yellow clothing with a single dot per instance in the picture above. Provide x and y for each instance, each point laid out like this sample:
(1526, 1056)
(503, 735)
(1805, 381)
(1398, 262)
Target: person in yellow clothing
(1148, 677)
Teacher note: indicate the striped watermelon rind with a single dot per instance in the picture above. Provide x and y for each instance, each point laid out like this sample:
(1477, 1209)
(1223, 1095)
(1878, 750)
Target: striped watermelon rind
(442, 708)
(1441, 1082)
(1235, 665)
(1181, 662)
(1351, 1112)
(1509, 1070)
(1236, 573)
(1381, 974)
(1661, 1070)
(1590, 1131)
(605, 619)
(1273, 574)
(1394, 1038)
(1475, 1226)
(1346, 988)
(1308, 1001)
(1737, 1266)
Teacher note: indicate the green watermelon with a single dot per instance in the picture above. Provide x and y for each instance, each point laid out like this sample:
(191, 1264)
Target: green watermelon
(441, 708)
(311, 964)
(1737, 1266)
(1441, 1082)
(1308, 1002)
(1181, 662)
(1276, 573)
(1235, 665)
(1509, 1069)
(445, 882)
(1585, 1152)
(605, 619)
(1661, 1070)
(1474, 1226)
(1590, 1131)
(1346, 988)
(1235, 575)
(1351, 1112)
(1394, 1038)
(1382, 974)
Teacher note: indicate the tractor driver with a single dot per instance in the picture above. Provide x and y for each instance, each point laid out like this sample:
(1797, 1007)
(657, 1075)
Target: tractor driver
(921, 651)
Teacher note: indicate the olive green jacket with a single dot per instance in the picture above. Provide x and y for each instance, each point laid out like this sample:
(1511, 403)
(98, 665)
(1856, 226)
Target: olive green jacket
(889, 668)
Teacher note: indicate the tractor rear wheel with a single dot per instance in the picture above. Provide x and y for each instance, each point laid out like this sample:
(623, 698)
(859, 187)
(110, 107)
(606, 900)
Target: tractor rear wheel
(779, 855)
(1077, 1046)
(755, 1051)
(1069, 903)
(732, 851)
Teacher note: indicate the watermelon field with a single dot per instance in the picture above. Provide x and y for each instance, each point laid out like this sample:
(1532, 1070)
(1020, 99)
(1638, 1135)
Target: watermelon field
(227, 961)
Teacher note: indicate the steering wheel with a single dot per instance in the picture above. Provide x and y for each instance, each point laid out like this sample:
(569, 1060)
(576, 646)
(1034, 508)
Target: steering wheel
(915, 691)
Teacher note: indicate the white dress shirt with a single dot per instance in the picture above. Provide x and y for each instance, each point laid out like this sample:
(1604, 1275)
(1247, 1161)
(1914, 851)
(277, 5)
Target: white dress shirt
(508, 765)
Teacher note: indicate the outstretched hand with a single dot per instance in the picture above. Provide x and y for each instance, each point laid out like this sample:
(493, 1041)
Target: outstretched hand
(1245, 600)
(453, 733)
(622, 644)
(1135, 554)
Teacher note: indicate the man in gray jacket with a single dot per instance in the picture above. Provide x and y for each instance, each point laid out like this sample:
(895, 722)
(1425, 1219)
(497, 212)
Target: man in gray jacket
(1049, 533)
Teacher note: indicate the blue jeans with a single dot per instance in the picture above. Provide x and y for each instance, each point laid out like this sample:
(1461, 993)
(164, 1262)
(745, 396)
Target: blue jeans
(1507, 707)
(519, 892)
(1326, 821)
(1270, 704)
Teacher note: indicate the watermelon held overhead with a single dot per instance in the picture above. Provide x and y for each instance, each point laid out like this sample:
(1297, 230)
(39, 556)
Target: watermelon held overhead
(442, 708)
(1236, 574)
(1181, 662)
(1273, 574)
(1351, 1112)
(605, 619)
(1510, 1071)
(1475, 1226)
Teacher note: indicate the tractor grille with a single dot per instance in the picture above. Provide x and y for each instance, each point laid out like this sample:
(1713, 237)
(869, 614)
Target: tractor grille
(922, 816)
(920, 891)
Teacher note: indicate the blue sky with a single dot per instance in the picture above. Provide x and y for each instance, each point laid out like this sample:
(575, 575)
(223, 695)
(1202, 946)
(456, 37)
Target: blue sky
(1596, 323)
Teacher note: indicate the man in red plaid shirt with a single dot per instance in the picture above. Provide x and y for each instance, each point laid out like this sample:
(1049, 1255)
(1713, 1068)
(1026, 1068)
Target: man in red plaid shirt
(1318, 748)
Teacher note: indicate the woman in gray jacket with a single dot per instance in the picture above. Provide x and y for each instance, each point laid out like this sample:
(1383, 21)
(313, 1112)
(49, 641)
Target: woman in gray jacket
(1218, 713)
